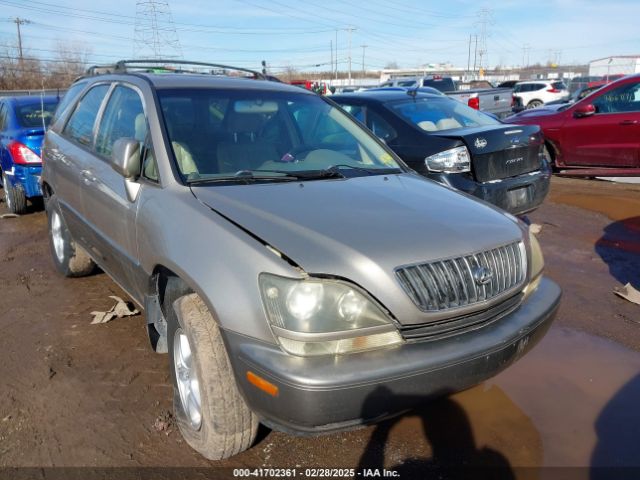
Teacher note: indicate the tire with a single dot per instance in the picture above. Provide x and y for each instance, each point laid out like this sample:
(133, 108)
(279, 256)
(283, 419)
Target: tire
(224, 425)
(534, 104)
(14, 196)
(69, 258)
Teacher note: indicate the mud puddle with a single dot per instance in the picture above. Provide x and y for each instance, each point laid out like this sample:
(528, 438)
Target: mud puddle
(581, 394)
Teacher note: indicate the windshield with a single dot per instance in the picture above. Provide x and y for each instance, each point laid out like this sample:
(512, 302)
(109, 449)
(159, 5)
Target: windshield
(32, 114)
(237, 133)
(436, 114)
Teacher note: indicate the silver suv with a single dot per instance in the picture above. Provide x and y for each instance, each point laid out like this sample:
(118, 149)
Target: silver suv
(295, 270)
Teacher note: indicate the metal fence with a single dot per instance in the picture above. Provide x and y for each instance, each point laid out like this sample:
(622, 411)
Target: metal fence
(17, 93)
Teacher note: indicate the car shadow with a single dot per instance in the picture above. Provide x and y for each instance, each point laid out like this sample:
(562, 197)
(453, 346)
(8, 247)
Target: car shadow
(617, 450)
(619, 248)
(448, 431)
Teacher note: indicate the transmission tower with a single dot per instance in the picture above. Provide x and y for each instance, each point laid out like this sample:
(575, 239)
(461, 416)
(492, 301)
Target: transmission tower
(484, 20)
(155, 33)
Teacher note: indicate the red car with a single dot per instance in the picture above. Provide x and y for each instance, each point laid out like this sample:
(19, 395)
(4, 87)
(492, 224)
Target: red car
(599, 135)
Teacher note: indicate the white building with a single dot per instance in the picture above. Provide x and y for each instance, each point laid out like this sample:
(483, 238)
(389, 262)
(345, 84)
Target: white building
(616, 65)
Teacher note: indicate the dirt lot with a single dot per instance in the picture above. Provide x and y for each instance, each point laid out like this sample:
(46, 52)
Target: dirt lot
(74, 394)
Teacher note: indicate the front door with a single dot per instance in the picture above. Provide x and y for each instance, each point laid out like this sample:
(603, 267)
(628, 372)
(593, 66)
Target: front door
(610, 137)
(108, 209)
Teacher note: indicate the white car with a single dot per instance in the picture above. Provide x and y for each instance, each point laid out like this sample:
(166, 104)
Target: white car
(538, 92)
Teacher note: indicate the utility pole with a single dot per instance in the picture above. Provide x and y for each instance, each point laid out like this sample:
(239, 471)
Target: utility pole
(350, 30)
(469, 56)
(336, 54)
(20, 21)
(363, 47)
(475, 56)
(331, 48)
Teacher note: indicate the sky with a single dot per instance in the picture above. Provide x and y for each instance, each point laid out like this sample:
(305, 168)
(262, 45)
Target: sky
(303, 35)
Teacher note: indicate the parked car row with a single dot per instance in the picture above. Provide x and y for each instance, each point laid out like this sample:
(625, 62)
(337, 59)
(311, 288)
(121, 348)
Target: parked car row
(477, 95)
(297, 272)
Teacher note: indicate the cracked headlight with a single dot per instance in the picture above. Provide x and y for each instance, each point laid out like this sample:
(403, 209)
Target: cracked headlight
(320, 317)
(454, 160)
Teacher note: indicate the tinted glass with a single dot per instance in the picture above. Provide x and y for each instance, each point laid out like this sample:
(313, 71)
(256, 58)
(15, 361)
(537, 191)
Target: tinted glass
(123, 118)
(559, 85)
(440, 113)
(80, 125)
(263, 130)
(33, 115)
(356, 110)
(379, 126)
(3, 116)
(625, 98)
(407, 83)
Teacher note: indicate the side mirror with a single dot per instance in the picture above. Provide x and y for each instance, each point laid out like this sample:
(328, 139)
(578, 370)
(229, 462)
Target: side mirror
(125, 157)
(584, 111)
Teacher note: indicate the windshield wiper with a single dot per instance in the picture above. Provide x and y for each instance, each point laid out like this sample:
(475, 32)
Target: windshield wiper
(370, 171)
(247, 176)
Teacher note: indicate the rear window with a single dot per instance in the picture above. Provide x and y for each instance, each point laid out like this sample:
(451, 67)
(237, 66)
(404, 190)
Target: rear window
(440, 113)
(559, 85)
(442, 84)
(35, 114)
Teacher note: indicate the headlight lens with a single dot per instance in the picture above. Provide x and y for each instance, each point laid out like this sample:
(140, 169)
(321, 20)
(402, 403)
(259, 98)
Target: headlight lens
(455, 160)
(317, 316)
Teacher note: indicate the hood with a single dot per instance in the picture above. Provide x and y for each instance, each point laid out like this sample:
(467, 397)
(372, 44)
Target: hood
(362, 228)
(491, 138)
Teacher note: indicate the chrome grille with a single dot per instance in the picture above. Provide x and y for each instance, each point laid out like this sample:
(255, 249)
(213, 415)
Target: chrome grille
(454, 282)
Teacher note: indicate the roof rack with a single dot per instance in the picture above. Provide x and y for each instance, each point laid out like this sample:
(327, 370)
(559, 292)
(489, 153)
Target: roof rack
(169, 66)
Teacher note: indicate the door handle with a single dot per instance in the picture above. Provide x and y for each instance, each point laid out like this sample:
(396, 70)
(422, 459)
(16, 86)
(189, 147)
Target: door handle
(629, 122)
(88, 176)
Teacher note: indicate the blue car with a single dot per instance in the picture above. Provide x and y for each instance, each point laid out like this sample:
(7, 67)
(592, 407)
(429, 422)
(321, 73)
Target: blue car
(23, 121)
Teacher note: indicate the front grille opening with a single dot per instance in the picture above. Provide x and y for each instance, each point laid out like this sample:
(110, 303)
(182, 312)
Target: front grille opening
(466, 280)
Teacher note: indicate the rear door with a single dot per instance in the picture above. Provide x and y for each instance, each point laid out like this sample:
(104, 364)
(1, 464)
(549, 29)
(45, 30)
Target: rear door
(611, 137)
(109, 210)
(66, 153)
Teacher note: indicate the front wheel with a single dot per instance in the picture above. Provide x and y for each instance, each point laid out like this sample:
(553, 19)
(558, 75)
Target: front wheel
(211, 414)
(534, 104)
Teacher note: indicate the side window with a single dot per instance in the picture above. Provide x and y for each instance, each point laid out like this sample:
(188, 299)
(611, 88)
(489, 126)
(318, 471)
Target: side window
(149, 166)
(123, 117)
(625, 98)
(80, 125)
(355, 110)
(3, 116)
(71, 94)
(379, 126)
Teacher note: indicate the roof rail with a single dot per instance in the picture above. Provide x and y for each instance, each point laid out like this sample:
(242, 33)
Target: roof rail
(168, 65)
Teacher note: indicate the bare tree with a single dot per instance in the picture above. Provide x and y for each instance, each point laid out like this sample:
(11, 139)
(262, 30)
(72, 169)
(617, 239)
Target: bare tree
(69, 62)
(19, 73)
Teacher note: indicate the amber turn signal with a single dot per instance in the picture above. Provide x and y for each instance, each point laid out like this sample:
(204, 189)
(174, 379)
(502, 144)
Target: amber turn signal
(262, 384)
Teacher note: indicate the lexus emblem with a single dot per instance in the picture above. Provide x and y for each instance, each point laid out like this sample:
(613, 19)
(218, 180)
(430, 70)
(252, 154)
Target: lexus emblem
(482, 275)
(480, 142)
